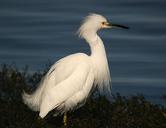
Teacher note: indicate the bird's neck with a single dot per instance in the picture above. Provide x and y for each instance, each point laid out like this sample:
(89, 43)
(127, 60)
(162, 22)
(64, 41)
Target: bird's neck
(100, 62)
(96, 46)
(98, 53)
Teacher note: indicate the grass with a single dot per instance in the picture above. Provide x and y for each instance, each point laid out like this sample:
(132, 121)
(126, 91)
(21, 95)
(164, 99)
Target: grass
(98, 112)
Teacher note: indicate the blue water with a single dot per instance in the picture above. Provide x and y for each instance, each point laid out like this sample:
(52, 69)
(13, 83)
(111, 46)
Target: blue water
(35, 31)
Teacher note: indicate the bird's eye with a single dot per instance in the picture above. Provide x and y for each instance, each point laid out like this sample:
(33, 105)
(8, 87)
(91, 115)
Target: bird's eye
(103, 23)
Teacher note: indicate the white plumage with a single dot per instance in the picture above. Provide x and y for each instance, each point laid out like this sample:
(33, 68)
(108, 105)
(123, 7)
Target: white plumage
(70, 80)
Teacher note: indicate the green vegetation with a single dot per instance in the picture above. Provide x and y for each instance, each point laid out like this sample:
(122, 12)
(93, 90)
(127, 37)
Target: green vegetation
(122, 112)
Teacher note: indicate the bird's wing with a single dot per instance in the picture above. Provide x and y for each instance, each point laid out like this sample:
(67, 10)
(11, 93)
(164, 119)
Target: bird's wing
(63, 68)
(77, 71)
(79, 98)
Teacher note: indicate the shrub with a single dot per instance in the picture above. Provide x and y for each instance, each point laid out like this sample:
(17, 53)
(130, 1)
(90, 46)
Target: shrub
(98, 112)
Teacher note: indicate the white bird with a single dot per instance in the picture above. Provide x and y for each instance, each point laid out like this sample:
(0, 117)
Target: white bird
(71, 80)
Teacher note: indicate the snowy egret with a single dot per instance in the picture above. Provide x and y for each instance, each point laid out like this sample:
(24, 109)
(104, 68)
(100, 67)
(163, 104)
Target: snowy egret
(71, 80)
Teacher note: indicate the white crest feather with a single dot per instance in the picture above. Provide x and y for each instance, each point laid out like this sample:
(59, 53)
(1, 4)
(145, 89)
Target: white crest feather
(90, 23)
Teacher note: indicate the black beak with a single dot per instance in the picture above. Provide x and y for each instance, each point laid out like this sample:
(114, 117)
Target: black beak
(119, 26)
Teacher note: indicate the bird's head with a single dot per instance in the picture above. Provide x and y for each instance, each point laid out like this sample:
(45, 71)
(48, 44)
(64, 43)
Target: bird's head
(94, 22)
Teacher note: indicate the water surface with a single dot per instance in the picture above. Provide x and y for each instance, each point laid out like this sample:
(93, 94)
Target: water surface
(35, 31)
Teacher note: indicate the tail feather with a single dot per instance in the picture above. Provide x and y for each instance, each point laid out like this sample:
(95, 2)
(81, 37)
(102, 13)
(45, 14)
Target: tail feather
(30, 101)
(33, 100)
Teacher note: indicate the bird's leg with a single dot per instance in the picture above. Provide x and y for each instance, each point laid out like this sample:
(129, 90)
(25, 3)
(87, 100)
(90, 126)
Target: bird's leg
(65, 119)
